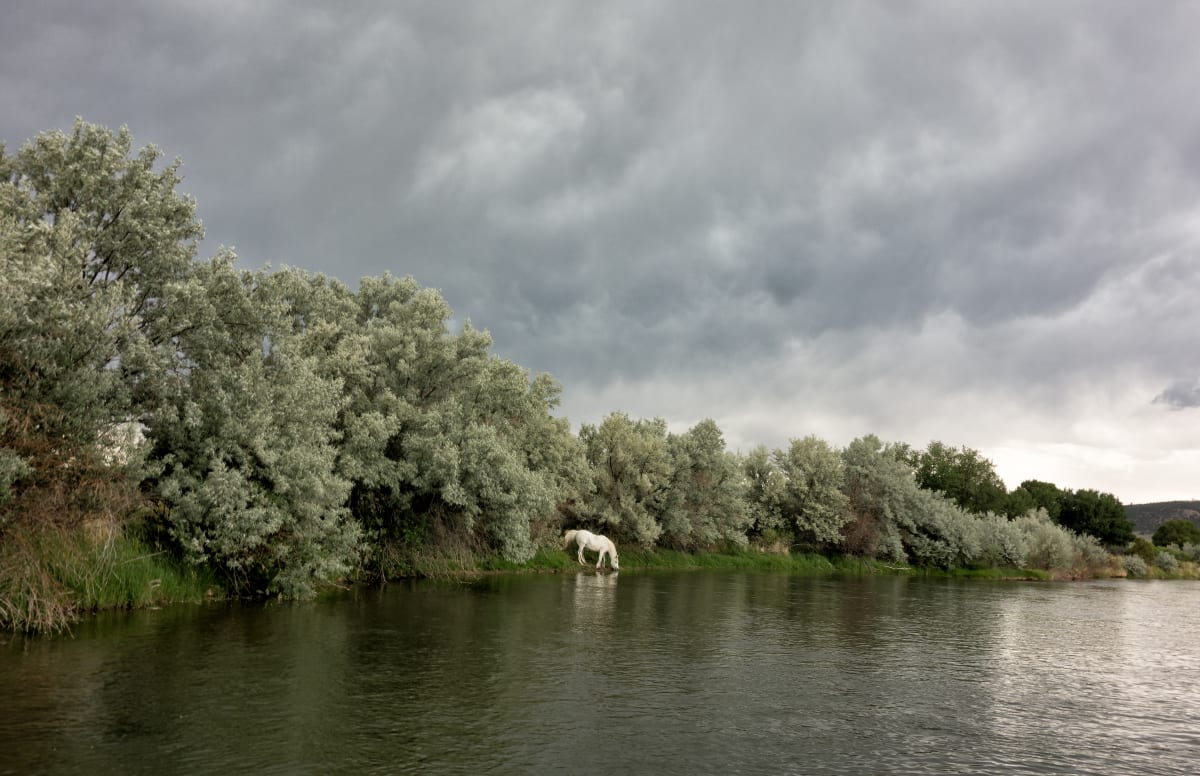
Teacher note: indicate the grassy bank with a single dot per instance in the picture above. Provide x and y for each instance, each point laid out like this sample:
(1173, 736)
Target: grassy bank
(50, 577)
(552, 559)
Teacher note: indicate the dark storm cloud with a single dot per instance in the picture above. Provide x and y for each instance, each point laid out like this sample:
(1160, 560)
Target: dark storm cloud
(944, 196)
(1180, 395)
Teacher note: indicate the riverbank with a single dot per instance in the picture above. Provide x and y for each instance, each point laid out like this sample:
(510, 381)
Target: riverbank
(50, 579)
(553, 560)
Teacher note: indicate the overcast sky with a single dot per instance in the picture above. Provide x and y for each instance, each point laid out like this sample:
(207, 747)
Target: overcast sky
(975, 222)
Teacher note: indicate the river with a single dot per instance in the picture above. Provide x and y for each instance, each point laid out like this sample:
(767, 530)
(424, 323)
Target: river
(642, 672)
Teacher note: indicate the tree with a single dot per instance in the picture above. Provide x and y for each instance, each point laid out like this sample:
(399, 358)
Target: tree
(1097, 514)
(813, 504)
(1020, 501)
(764, 488)
(963, 475)
(896, 519)
(1045, 495)
(631, 477)
(245, 448)
(705, 504)
(438, 436)
(878, 481)
(96, 247)
(1177, 532)
(94, 244)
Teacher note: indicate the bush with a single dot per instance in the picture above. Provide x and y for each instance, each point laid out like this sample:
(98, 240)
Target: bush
(1089, 552)
(1135, 566)
(1166, 561)
(1143, 549)
(1047, 545)
(1001, 542)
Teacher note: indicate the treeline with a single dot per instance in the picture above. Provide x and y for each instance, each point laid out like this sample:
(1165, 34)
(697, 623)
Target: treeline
(285, 431)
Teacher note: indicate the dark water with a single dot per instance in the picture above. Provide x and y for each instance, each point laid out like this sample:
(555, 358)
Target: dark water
(642, 673)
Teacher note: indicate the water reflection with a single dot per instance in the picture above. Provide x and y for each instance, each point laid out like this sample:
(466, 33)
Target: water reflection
(666, 673)
(595, 596)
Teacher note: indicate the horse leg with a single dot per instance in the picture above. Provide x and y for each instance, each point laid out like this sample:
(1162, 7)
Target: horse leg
(581, 561)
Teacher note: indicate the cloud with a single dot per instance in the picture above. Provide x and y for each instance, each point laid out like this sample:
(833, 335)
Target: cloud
(1180, 395)
(968, 221)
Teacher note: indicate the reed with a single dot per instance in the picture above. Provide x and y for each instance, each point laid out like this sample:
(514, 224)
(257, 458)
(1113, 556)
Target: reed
(49, 576)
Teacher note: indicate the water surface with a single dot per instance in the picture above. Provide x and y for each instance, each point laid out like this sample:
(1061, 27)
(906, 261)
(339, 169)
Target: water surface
(681, 672)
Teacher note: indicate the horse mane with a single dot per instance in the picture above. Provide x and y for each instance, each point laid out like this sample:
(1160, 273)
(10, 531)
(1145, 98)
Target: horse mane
(568, 537)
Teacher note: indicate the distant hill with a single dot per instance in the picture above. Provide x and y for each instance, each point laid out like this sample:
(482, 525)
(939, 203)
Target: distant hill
(1147, 517)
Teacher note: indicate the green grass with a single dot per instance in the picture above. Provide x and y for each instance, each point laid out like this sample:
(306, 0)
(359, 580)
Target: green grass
(1002, 573)
(554, 559)
(49, 577)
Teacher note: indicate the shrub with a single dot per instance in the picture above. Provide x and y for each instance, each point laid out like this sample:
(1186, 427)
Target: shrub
(1143, 549)
(1048, 546)
(1166, 561)
(1001, 542)
(1135, 566)
(1089, 552)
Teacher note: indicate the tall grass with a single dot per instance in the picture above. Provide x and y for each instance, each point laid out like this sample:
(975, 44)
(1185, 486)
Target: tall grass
(49, 576)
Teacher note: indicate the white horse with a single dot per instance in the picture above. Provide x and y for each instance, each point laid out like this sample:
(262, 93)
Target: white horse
(596, 543)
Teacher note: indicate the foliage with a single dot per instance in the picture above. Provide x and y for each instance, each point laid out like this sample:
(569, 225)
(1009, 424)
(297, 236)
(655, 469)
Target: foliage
(1048, 546)
(1097, 514)
(50, 575)
(763, 489)
(812, 503)
(1142, 548)
(94, 246)
(962, 475)
(13, 467)
(938, 532)
(245, 447)
(894, 518)
(1135, 566)
(1177, 532)
(706, 505)
(435, 428)
(1190, 552)
(878, 483)
(1045, 496)
(1166, 561)
(631, 475)
(1002, 542)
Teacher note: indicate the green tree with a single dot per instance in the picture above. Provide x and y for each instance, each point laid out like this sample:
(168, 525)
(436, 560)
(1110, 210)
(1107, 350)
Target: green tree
(705, 504)
(894, 518)
(962, 475)
(878, 483)
(813, 504)
(95, 243)
(96, 248)
(245, 448)
(1177, 532)
(1045, 495)
(1097, 514)
(631, 477)
(1020, 501)
(764, 487)
(439, 437)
